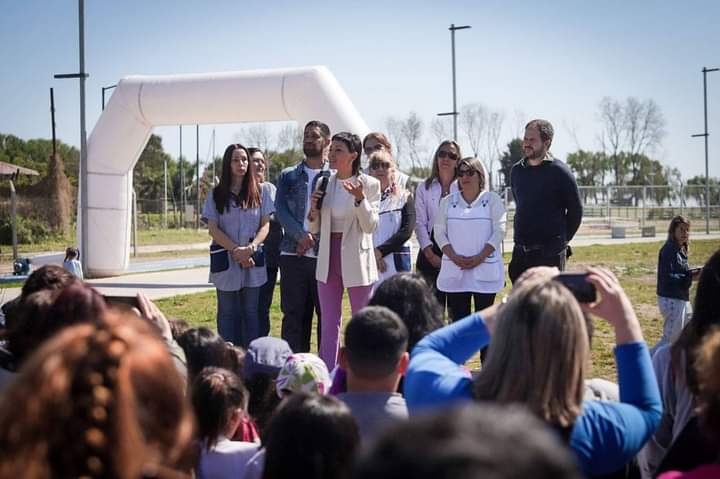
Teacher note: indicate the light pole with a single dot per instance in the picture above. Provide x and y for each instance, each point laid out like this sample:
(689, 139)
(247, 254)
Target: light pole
(82, 75)
(454, 111)
(705, 71)
(104, 89)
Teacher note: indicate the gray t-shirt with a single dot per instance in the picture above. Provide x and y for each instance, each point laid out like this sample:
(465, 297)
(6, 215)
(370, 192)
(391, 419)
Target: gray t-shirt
(373, 412)
(240, 225)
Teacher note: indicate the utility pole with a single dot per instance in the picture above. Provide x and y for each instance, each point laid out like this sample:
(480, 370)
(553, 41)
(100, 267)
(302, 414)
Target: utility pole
(52, 121)
(705, 71)
(82, 75)
(104, 89)
(182, 184)
(197, 177)
(454, 111)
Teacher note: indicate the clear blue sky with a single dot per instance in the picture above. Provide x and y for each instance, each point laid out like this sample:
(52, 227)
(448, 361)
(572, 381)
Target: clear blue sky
(392, 57)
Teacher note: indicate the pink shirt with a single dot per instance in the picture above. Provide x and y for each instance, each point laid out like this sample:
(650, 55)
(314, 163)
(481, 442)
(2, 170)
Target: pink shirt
(708, 471)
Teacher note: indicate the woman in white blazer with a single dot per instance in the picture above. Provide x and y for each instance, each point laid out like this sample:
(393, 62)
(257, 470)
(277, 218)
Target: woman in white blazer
(346, 221)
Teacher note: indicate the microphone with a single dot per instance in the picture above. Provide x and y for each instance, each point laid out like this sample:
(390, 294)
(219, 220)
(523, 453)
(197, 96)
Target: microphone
(322, 187)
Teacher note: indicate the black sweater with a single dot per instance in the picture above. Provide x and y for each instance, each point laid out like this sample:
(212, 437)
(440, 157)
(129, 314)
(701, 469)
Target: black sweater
(407, 226)
(548, 207)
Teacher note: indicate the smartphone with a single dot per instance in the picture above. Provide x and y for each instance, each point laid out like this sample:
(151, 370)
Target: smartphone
(579, 286)
(322, 187)
(130, 301)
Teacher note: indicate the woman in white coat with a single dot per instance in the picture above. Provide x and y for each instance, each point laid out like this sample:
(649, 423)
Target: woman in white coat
(346, 221)
(469, 229)
(393, 252)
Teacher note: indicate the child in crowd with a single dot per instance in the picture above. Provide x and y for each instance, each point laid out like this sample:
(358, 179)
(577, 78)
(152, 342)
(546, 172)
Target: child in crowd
(72, 261)
(674, 277)
(220, 402)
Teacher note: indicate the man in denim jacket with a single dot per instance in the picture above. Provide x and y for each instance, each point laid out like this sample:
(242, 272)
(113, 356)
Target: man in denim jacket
(298, 249)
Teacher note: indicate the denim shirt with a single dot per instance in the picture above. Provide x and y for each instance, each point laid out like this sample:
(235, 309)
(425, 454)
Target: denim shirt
(673, 273)
(290, 203)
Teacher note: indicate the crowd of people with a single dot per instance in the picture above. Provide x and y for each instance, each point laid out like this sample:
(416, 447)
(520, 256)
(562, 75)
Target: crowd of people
(95, 389)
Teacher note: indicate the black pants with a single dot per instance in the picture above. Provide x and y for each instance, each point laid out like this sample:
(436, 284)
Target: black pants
(459, 304)
(265, 301)
(459, 308)
(298, 300)
(524, 260)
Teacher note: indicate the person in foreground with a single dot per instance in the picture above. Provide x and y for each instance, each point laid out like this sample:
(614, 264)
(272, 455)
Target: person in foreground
(468, 442)
(97, 400)
(375, 359)
(539, 356)
(707, 369)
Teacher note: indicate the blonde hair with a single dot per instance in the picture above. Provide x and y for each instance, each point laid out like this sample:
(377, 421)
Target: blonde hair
(539, 354)
(386, 156)
(97, 400)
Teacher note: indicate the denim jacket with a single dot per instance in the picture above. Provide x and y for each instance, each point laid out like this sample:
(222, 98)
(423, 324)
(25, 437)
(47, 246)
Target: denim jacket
(290, 203)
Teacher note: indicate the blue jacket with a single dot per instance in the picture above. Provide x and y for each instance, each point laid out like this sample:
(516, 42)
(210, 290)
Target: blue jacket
(605, 436)
(673, 273)
(290, 203)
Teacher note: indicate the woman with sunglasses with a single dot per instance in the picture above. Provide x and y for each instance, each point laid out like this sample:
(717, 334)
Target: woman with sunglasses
(396, 219)
(427, 199)
(469, 227)
(238, 214)
(345, 215)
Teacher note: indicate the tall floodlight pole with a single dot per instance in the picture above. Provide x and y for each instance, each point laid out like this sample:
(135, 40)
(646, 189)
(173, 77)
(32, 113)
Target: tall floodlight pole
(705, 71)
(454, 111)
(197, 177)
(182, 185)
(82, 75)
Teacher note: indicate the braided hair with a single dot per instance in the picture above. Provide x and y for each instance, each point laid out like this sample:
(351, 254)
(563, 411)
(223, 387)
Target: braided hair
(97, 400)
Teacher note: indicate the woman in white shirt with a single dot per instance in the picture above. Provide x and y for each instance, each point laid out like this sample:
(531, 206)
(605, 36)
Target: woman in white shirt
(346, 221)
(396, 219)
(469, 228)
(427, 198)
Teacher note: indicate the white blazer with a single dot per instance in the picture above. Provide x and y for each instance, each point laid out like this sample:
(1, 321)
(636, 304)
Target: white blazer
(357, 257)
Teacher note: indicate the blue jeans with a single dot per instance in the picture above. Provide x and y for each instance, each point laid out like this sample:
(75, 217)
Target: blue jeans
(237, 315)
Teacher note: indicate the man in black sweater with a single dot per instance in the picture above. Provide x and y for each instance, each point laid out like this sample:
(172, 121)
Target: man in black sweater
(548, 210)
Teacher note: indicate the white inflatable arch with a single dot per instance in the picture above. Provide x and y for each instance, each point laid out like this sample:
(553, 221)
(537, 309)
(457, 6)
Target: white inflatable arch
(139, 103)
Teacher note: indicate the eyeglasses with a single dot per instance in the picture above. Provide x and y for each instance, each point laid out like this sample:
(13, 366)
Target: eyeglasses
(462, 173)
(447, 154)
(376, 165)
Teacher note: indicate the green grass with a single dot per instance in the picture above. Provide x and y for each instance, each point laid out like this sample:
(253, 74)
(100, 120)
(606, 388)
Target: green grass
(172, 236)
(634, 264)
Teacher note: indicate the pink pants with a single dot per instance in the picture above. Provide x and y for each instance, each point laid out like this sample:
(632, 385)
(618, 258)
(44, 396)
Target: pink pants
(331, 293)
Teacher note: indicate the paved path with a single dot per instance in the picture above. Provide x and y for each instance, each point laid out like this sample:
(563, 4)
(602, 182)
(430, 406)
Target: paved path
(192, 279)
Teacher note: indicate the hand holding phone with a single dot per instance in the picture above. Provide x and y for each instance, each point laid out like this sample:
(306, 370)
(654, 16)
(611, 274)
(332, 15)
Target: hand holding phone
(578, 284)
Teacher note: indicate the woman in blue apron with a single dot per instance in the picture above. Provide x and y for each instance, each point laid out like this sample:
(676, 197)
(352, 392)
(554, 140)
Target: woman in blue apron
(238, 214)
(469, 229)
(396, 219)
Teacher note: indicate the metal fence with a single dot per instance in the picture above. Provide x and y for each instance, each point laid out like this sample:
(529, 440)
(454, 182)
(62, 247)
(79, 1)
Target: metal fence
(638, 207)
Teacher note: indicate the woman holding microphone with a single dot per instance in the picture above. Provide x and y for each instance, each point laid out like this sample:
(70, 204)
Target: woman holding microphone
(345, 215)
(469, 227)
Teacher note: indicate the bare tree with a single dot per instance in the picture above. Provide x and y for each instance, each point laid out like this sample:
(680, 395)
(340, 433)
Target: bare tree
(644, 129)
(492, 143)
(439, 129)
(256, 135)
(411, 130)
(393, 127)
(520, 119)
(290, 137)
(473, 122)
(611, 137)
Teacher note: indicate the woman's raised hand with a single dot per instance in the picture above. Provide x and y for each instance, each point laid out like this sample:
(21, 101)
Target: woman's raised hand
(355, 189)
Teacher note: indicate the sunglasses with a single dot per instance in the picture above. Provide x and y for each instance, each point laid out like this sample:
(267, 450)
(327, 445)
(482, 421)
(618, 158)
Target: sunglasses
(462, 173)
(376, 165)
(447, 154)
